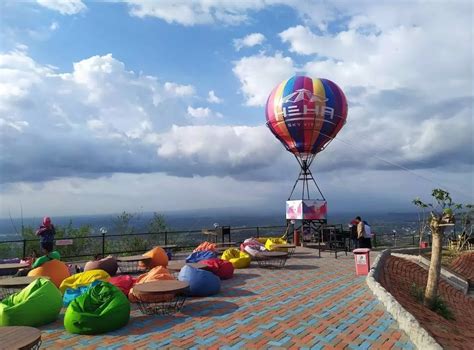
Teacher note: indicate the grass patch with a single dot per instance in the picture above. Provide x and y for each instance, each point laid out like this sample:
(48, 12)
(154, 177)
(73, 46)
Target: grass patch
(438, 305)
(447, 256)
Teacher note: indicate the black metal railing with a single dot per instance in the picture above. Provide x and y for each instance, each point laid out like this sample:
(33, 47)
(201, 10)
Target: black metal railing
(105, 244)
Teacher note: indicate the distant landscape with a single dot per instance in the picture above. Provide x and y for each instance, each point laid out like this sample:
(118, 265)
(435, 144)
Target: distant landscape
(196, 220)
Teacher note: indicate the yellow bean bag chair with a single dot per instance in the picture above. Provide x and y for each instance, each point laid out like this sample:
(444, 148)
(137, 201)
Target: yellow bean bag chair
(83, 279)
(56, 270)
(158, 273)
(272, 241)
(158, 258)
(263, 240)
(237, 258)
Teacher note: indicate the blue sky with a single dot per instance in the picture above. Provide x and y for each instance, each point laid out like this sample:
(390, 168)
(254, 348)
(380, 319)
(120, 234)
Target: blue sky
(159, 105)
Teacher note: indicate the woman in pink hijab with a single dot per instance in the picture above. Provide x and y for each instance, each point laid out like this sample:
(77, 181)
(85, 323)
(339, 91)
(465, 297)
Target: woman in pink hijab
(46, 233)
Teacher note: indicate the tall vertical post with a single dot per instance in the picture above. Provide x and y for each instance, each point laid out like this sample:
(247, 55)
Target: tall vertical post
(103, 244)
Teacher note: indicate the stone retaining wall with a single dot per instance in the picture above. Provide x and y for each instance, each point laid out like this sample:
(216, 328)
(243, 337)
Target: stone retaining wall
(406, 321)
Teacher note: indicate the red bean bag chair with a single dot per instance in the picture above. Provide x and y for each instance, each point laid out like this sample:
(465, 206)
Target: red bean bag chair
(123, 282)
(221, 268)
(205, 246)
(56, 270)
(156, 274)
(158, 258)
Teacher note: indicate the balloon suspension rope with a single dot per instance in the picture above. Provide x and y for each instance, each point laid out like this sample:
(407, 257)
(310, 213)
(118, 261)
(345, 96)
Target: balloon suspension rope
(305, 175)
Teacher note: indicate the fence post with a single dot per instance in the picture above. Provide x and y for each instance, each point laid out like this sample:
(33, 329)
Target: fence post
(413, 238)
(375, 240)
(258, 232)
(24, 248)
(166, 237)
(103, 245)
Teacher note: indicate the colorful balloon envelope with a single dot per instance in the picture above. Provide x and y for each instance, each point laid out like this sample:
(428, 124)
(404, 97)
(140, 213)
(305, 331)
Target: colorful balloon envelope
(305, 114)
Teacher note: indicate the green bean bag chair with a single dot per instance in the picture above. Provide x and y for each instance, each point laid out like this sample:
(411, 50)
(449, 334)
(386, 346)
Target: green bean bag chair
(54, 255)
(237, 258)
(36, 305)
(103, 308)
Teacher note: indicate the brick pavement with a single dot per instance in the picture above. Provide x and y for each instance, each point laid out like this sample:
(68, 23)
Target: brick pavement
(397, 277)
(312, 303)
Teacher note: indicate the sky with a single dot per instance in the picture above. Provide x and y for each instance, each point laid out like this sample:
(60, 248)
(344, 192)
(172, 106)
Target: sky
(159, 105)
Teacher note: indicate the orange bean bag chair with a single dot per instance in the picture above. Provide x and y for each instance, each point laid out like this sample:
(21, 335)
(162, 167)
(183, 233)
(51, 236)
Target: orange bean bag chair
(156, 274)
(158, 258)
(205, 246)
(56, 270)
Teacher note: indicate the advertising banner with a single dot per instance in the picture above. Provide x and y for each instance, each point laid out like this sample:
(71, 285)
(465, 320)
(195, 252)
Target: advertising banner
(307, 209)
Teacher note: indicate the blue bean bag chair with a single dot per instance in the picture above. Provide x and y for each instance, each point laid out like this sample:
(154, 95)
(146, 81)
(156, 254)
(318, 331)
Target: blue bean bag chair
(201, 255)
(36, 305)
(201, 283)
(72, 293)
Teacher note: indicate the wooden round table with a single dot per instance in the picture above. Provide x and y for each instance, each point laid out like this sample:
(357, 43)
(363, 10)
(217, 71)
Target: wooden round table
(12, 285)
(145, 293)
(11, 269)
(19, 337)
(272, 259)
(290, 248)
(177, 265)
(129, 264)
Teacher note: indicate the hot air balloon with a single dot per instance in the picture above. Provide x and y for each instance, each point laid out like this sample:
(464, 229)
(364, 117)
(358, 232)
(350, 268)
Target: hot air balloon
(305, 115)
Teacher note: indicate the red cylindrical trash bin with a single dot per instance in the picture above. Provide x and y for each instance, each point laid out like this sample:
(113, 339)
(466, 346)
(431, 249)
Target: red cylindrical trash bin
(362, 261)
(296, 238)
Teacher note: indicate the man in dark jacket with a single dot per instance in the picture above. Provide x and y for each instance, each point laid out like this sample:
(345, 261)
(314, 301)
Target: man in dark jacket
(46, 233)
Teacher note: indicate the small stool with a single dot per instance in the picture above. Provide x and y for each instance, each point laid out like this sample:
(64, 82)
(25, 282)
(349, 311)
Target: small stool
(176, 289)
(20, 337)
(272, 259)
(289, 247)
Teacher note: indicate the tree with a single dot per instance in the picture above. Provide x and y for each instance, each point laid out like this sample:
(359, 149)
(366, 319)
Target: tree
(422, 218)
(466, 235)
(441, 216)
(157, 223)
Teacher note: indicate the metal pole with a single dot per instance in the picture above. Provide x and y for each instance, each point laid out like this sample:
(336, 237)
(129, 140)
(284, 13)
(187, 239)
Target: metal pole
(258, 232)
(103, 244)
(166, 237)
(24, 248)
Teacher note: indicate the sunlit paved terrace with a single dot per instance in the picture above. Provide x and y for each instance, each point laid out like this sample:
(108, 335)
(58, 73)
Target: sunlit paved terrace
(312, 302)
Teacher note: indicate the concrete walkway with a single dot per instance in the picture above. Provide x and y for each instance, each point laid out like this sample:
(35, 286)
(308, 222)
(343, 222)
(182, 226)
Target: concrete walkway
(312, 303)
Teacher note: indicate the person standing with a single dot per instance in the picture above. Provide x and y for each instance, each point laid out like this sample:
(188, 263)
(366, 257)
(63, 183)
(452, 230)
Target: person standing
(46, 232)
(353, 234)
(360, 232)
(367, 235)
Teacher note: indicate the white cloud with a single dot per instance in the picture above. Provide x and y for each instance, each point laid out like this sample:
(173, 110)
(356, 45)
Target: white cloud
(195, 12)
(249, 41)
(64, 7)
(259, 74)
(202, 112)
(101, 119)
(53, 26)
(220, 146)
(179, 90)
(212, 98)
